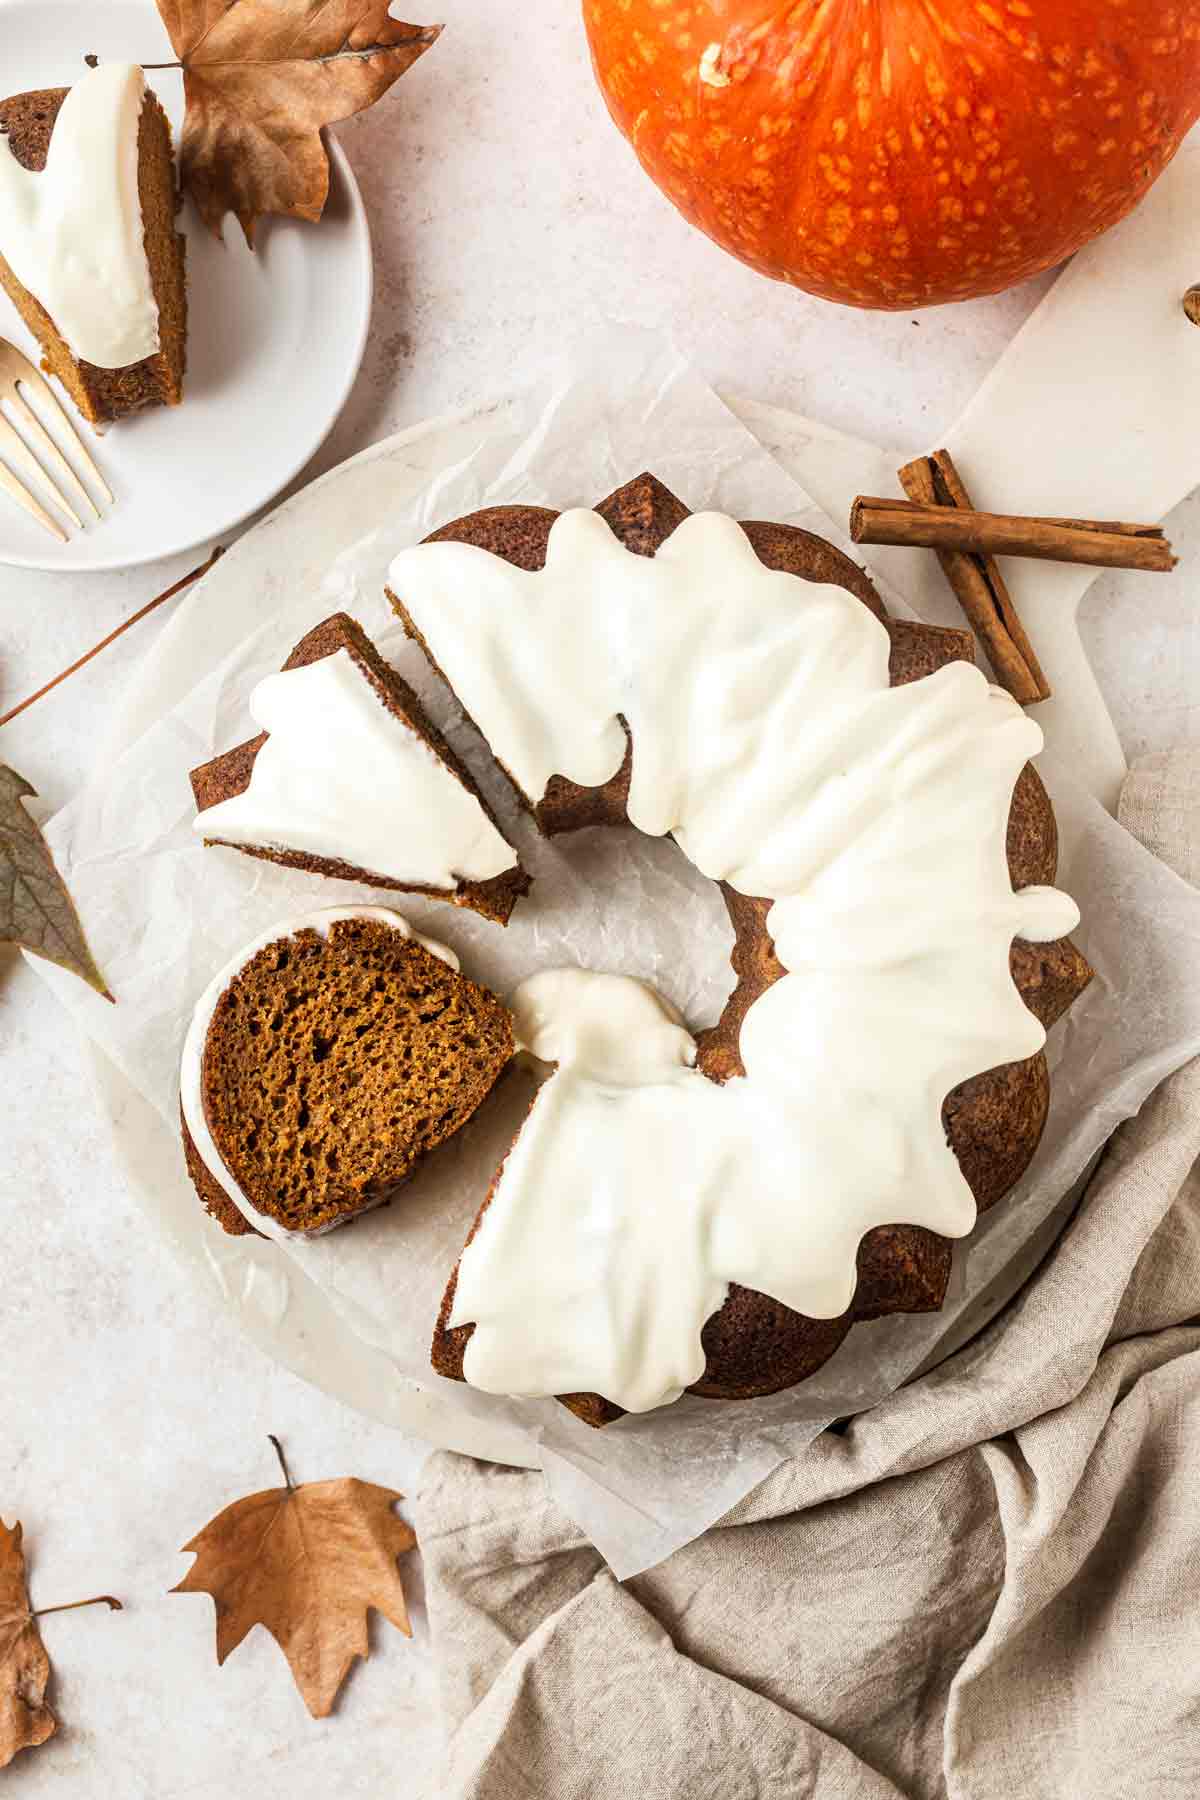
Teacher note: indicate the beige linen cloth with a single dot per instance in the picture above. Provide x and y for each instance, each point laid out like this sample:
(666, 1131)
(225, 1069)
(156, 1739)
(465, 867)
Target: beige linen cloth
(987, 1588)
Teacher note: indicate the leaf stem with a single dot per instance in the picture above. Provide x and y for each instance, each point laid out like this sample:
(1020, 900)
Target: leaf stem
(109, 1600)
(168, 594)
(93, 62)
(287, 1474)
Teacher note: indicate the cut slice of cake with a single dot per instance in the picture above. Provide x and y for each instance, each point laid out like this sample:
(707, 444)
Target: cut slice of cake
(89, 253)
(324, 1063)
(350, 779)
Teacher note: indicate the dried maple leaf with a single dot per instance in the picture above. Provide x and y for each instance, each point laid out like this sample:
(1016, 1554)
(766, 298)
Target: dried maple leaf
(36, 911)
(25, 1719)
(260, 78)
(307, 1562)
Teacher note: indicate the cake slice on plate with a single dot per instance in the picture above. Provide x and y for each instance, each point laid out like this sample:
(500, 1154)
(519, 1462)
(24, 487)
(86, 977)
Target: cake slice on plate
(323, 1064)
(89, 253)
(350, 779)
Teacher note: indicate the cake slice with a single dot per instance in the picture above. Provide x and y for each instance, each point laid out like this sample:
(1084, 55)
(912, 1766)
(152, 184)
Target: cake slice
(324, 1063)
(352, 780)
(89, 253)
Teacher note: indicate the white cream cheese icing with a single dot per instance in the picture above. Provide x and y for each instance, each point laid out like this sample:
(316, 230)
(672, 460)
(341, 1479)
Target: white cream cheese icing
(191, 1090)
(340, 776)
(769, 743)
(72, 233)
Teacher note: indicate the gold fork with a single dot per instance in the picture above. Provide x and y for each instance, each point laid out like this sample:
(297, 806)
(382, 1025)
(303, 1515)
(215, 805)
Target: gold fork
(16, 371)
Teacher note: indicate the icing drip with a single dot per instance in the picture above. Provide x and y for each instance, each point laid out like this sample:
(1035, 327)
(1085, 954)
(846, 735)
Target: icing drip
(602, 1219)
(192, 1062)
(340, 776)
(768, 741)
(72, 234)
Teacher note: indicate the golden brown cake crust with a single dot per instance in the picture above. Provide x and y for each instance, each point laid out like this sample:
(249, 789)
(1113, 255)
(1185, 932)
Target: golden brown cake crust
(216, 1201)
(102, 395)
(333, 1065)
(229, 774)
(754, 1345)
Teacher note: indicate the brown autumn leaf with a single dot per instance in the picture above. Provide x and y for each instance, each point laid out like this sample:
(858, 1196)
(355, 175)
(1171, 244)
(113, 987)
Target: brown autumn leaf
(307, 1562)
(25, 1719)
(36, 911)
(260, 78)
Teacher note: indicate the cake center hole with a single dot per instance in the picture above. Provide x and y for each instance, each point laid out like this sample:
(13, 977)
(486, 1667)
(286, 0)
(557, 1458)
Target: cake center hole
(611, 899)
(607, 897)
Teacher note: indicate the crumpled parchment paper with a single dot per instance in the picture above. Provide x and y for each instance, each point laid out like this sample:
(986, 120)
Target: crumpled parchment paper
(162, 913)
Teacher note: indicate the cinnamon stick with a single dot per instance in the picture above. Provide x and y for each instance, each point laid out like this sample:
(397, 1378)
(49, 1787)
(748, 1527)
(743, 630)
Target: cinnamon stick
(1117, 527)
(1099, 543)
(934, 482)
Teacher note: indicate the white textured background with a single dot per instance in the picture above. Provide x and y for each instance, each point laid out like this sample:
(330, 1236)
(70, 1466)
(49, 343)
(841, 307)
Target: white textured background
(506, 214)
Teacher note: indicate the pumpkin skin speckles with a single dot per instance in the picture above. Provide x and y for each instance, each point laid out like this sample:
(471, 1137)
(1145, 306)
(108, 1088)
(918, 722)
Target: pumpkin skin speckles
(907, 153)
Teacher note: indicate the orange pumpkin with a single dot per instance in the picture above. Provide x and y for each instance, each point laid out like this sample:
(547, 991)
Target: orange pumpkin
(899, 153)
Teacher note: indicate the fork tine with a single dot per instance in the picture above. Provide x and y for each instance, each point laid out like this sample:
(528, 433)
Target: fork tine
(40, 385)
(13, 445)
(24, 498)
(50, 450)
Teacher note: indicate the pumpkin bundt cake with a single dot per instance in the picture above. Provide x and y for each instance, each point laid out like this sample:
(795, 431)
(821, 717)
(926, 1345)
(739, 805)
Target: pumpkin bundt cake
(89, 253)
(715, 1214)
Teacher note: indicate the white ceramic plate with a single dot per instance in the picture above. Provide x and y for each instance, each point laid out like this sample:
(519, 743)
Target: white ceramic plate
(275, 340)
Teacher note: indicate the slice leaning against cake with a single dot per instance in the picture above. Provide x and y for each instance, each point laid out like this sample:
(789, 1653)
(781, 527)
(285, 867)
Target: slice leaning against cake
(324, 1062)
(89, 253)
(350, 779)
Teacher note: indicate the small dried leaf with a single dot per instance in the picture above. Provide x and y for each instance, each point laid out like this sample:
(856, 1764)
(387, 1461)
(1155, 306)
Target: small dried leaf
(25, 1719)
(36, 911)
(308, 1563)
(260, 78)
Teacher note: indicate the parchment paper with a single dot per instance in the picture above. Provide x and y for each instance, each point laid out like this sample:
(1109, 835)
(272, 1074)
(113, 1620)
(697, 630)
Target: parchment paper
(162, 913)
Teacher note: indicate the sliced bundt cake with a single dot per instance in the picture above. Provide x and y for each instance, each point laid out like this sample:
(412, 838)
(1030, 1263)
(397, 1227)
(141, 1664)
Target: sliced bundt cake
(351, 780)
(753, 1344)
(89, 253)
(324, 1063)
